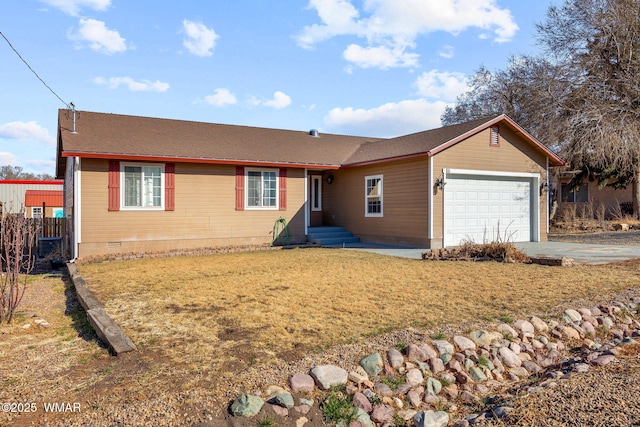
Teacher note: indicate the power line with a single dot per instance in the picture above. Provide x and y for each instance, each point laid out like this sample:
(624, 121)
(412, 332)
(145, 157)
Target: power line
(33, 71)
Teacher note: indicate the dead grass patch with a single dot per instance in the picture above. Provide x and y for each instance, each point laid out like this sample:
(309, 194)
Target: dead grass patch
(232, 311)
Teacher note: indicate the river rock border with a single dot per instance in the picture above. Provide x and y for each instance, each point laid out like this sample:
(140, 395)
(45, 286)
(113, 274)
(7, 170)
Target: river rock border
(421, 383)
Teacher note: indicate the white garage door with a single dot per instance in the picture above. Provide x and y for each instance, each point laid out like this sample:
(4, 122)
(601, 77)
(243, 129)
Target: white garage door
(482, 208)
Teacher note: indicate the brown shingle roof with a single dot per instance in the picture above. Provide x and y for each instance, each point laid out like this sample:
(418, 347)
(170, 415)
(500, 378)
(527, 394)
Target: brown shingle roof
(101, 135)
(120, 135)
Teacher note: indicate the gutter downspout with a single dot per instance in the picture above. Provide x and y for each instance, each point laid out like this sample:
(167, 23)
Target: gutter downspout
(548, 202)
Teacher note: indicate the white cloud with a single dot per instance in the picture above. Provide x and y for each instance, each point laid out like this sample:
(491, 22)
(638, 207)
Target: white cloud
(26, 131)
(221, 97)
(199, 39)
(388, 120)
(72, 7)
(100, 38)
(447, 51)
(133, 85)
(280, 100)
(441, 85)
(9, 159)
(391, 27)
(380, 56)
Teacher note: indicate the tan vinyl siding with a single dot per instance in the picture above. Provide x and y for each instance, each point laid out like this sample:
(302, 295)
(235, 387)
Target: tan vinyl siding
(475, 153)
(405, 209)
(204, 215)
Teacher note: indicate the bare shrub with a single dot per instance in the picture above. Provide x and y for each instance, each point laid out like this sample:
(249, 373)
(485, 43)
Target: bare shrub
(600, 214)
(569, 213)
(493, 251)
(17, 244)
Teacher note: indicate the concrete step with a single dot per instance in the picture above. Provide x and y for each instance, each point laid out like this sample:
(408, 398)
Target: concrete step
(336, 241)
(330, 236)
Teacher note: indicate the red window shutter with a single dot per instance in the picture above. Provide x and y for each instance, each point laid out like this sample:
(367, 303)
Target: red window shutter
(239, 188)
(283, 189)
(114, 185)
(169, 187)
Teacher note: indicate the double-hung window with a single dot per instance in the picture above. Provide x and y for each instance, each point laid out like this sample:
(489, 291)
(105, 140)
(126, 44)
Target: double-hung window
(373, 196)
(143, 186)
(262, 189)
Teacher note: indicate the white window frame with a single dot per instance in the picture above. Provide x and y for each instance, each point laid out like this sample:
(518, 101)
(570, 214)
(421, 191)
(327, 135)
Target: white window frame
(38, 209)
(246, 189)
(316, 179)
(367, 196)
(123, 186)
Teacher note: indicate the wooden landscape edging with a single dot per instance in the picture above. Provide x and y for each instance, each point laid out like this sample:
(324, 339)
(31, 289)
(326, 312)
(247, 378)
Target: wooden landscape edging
(105, 327)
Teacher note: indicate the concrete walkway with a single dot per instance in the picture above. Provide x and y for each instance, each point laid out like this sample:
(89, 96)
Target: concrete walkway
(580, 253)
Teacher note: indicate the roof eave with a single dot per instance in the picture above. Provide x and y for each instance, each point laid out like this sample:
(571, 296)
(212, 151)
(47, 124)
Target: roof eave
(150, 158)
(385, 160)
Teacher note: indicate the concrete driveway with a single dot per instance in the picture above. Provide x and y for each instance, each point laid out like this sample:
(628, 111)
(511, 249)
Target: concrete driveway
(580, 253)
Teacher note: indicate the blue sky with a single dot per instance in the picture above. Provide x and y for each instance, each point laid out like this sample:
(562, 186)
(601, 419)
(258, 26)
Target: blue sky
(358, 67)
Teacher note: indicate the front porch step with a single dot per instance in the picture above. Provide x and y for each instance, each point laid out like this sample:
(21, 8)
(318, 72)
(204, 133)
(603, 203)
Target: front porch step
(330, 236)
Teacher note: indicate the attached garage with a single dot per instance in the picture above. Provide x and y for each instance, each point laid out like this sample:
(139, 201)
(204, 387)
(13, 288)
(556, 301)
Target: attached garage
(485, 206)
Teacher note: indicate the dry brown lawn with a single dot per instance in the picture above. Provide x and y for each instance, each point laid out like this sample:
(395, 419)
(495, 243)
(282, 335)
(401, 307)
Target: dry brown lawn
(227, 312)
(201, 322)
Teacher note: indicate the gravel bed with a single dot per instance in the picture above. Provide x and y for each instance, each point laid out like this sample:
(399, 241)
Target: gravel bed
(622, 238)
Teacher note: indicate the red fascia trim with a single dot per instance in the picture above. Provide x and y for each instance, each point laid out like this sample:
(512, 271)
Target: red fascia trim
(192, 160)
(31, 181)
(386, 160)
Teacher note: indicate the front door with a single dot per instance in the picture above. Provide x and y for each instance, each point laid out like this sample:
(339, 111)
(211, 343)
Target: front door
(315, 200)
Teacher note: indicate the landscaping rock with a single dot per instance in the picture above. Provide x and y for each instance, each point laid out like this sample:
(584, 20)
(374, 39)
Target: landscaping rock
(372, 364)
(433, 386)
(362, 419)
(573, 315)
(603, 360)
(443, 347)
(415, 353)
(525, 327)
(327, 376)
(414, 377)
(246, 405)
(509, 358)
(301, 383)
(431, 419)
(506, 330)
(464, 343)
(396, 359)
(477, 375)
(285, 400)
(539, 325)
(361, 401)
(382, 413)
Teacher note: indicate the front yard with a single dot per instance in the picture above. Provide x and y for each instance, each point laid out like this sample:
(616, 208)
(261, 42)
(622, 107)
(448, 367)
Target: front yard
(202, 324)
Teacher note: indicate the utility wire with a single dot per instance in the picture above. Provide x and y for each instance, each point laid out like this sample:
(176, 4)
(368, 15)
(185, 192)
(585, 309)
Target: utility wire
(33, 71)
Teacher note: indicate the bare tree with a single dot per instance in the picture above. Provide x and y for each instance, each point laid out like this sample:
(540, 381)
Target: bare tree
(582, 97)
(601, 40)
(17, 242)
(9, 172)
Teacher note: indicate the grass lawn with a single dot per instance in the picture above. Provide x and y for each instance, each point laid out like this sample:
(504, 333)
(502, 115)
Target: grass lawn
(227, 312)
